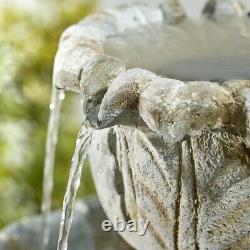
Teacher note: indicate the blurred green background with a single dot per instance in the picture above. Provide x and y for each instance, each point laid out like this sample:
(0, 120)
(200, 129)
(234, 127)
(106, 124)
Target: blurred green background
(29, 34)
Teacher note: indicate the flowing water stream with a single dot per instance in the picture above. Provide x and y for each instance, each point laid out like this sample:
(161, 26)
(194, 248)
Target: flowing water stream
(57, 98)
(82, 145)
(81, 150)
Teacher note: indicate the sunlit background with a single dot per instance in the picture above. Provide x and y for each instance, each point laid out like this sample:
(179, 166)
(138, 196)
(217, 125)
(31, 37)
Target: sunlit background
(29, 33)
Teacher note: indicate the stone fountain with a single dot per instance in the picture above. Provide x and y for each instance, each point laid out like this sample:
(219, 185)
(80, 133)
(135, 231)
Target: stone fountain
(168, 95)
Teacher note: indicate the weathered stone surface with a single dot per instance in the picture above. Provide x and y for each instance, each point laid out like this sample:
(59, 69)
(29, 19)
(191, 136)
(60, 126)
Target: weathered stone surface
(83, 62)
(195, 193)
(191, 176)
(86, 231)
(179, 155)
(95, 51)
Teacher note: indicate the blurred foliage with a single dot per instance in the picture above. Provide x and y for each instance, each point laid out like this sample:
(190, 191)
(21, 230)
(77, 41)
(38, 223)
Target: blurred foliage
(28, 43)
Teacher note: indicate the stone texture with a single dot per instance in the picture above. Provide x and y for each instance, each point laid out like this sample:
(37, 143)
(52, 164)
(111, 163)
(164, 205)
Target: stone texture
(195, 192)
(174, 151)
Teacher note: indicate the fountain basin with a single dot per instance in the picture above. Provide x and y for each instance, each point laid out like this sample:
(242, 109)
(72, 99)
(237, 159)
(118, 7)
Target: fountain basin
(95, 51)
(174, 119)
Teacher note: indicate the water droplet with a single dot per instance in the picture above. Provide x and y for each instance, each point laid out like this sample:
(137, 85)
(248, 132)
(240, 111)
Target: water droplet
(51, 106)
(62, 96)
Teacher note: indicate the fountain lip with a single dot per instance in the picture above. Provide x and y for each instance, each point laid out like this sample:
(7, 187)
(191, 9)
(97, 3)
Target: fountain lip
(90, 36)
(83, 62)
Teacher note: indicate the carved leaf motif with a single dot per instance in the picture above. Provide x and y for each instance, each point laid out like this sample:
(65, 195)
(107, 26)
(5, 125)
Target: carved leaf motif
(195, 194)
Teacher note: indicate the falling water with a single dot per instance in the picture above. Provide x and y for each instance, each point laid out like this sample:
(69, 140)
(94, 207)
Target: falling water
(82, 145)
(52, 134)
